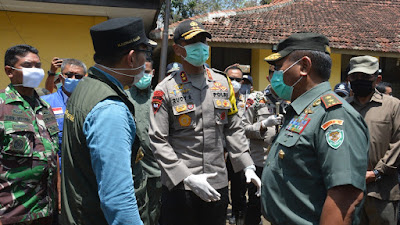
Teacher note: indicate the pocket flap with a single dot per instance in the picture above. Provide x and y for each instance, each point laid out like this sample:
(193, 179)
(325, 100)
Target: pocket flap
(288, 138)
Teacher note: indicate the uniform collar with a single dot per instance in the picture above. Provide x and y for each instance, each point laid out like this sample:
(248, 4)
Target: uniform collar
(134, 91)
(376, 97)
(63, 95)
(308, 97)
(12, 95)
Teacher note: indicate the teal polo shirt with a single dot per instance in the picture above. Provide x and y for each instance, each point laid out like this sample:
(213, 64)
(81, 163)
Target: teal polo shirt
(322, 143)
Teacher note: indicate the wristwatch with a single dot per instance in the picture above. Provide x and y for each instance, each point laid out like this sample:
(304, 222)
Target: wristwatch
(378, 175)
(50, 73)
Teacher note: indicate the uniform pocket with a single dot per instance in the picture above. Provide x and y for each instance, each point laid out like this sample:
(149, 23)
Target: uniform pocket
(263, 113)
(18, 139)
(184, 120)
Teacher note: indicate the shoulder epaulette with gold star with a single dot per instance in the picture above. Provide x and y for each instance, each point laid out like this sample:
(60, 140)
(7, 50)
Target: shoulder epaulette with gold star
(330, 100)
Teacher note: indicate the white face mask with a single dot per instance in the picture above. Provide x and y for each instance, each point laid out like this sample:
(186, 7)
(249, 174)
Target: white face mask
(31, 77)
(236, 86)
(136, 78)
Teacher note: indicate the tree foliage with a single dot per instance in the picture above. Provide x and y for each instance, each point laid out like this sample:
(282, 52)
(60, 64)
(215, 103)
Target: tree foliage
(183, 9)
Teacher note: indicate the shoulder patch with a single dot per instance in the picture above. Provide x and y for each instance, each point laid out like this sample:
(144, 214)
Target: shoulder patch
(157, 100)
(330, 100)
(335, 138)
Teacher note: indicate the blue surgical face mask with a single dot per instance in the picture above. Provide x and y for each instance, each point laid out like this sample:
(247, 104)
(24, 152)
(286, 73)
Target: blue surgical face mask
(70, 84)
(281, 89)
(197, 53)
(144, 82)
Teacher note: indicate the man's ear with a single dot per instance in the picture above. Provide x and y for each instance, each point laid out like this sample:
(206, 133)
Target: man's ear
(8, 71)
(128, 58)
(179, 51)
(305, 64)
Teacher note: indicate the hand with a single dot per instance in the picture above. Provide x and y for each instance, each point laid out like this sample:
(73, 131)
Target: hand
(55, 64)
(370, 176)
(272, 120)
(199, 185)
(252, 176)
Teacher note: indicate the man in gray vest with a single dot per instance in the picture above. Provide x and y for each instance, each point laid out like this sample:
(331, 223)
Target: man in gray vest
(99, 129)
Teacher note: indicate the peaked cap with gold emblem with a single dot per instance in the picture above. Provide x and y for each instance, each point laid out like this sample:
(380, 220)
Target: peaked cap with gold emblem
(300, 41)
(188, 29)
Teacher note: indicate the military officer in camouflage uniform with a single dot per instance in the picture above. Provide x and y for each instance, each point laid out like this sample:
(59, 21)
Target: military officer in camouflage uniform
(315, 170)
(193, 109)
(28, 143)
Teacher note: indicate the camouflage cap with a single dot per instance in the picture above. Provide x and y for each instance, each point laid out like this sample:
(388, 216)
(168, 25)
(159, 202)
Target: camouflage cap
(300, 41)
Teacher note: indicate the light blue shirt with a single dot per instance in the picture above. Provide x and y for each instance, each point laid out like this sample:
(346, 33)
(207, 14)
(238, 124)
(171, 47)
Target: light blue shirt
(110, 132)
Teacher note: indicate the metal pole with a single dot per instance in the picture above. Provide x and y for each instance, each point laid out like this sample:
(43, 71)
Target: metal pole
(164, 45)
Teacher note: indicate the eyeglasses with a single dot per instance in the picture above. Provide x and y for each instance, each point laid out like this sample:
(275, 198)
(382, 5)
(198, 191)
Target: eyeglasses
(236, 78)
(147, 51)
(72, 75)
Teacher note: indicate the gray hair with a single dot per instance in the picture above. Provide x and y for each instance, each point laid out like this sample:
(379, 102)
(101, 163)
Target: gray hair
(321, 62)
(74, 62)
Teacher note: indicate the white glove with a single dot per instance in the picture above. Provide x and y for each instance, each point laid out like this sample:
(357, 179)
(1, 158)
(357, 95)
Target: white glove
(251, 175)
(199, 185)
(272, 120)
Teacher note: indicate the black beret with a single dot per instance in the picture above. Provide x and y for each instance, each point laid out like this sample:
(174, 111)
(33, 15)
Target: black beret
(299, 41)
(188, 29)
(119, 34)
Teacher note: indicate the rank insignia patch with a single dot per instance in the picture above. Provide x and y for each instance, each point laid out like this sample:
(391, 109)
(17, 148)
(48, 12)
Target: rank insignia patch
(330, 100)
(335, 138)
(331, 122)
(184, 120)
(184, 78)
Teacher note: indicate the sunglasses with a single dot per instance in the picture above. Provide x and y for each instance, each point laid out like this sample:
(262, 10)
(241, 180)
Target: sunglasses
(237, 79)
(71, 75)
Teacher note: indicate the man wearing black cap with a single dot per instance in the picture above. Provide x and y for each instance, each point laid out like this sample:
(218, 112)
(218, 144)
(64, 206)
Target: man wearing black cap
(315, 170)
(382, 114)
(193, 110)
(99, 129)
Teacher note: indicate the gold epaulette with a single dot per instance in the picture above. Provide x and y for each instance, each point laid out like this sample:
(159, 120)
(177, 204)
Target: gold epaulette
(330, 100)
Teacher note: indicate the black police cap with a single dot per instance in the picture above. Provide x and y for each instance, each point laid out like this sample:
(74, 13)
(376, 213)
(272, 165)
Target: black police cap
(300, 41)
(119, 34)
(188, 29)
